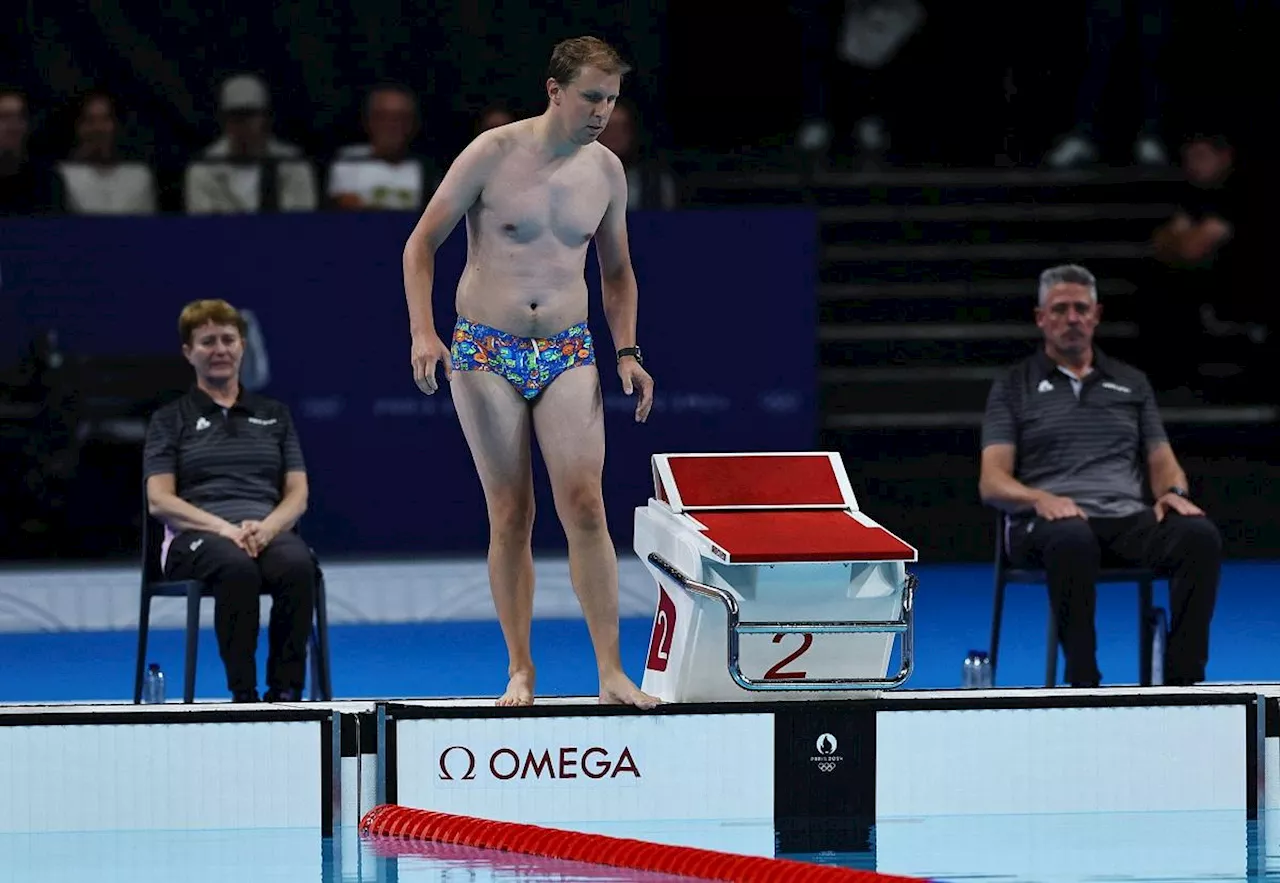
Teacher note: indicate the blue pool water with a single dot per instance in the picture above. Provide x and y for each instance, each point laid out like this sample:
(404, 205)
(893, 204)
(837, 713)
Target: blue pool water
(1135, 848)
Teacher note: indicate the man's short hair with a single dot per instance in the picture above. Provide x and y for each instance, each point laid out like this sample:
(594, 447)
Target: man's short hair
(1068, 274)
(569, 57)
(200, 312)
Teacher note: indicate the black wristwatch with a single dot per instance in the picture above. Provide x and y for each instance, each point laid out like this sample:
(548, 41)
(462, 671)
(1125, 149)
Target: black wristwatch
(633, 351)
(1178, 492)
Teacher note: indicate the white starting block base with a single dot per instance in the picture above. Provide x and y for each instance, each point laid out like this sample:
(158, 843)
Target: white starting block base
(689, 649)
(772, 584)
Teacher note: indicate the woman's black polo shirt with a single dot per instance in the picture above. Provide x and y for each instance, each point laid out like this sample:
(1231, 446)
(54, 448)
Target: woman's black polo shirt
(229, 462)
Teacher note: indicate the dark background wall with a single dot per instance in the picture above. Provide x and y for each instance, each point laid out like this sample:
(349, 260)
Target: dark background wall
(718, 85)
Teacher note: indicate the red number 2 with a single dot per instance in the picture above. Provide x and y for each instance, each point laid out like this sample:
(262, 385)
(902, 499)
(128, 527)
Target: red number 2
(776, 673)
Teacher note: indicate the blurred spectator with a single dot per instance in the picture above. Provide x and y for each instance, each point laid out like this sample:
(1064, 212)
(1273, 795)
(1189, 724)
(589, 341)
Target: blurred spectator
(650, 184)
(383, 174)
(249, 170)
(1107, 22)
(97, 180)
(496, 114)
(1199, 233)
(845, 47)
(27, 187)
(1203, 279)
(41, 473)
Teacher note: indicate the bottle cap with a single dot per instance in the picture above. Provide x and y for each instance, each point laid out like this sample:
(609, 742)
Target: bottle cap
(155, 666)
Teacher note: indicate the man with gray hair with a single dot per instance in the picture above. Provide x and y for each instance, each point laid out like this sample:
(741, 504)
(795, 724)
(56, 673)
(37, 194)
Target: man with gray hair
(1066, 438)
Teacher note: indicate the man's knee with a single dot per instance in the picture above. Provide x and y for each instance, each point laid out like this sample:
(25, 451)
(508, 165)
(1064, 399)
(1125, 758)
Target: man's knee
(1068, 541)
(511, 512)
(1195, 536)
(581, 505)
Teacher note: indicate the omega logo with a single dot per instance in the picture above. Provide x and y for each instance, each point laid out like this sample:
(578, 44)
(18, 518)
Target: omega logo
(458, 763)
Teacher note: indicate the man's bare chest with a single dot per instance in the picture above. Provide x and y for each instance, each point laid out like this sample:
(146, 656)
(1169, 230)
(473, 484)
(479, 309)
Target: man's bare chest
(524, 204)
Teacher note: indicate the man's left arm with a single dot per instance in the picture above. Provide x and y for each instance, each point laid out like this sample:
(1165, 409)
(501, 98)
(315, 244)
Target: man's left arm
(1168, 481)
(618, 288)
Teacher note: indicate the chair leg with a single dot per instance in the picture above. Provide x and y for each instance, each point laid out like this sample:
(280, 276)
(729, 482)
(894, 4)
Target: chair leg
(1051, 651)
(140, 666)
(997, 616)
(193, 641)
(1144, 633)
(321, 682)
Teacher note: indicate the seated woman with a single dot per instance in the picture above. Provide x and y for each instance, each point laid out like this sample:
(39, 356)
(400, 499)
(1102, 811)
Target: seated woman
(225, 474)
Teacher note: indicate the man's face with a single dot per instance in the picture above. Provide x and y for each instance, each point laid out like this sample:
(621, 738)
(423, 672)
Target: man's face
(246, 130)
(1204, 163)
(13, 124)
(584, 105)
(390, 123)
(215, 351)
(1068, 318)
(96, 127)
(620, 135)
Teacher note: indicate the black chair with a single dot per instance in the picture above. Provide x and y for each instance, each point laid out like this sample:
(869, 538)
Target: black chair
(154, 585)
(1150, 618)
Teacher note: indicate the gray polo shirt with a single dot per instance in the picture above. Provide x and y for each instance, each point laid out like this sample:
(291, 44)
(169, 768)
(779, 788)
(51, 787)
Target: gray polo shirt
(1087, 440)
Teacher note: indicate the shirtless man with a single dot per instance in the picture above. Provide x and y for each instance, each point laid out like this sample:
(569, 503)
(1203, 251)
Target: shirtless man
(535, 193)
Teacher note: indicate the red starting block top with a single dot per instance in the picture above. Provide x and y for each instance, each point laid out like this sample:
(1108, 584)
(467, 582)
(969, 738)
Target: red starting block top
(758, 508)
(752, 481)
(764, 536)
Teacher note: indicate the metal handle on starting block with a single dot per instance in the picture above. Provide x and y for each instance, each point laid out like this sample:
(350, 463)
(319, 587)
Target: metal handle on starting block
(902, 626)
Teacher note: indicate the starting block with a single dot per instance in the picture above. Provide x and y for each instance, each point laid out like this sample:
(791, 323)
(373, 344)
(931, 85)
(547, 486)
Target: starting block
(772, 584)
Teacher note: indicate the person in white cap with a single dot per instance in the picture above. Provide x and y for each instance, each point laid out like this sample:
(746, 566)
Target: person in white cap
(248, 170)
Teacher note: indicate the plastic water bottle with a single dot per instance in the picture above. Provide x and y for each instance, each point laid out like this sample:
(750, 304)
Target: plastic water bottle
(153, 685)
(976, 672)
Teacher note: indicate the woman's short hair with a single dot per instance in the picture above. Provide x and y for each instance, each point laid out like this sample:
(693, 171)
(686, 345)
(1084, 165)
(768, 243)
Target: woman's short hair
(201, 312)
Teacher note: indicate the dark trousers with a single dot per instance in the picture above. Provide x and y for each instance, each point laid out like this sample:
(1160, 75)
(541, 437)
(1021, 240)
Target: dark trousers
(1107, 22)
(286, 571)
(1186, 549)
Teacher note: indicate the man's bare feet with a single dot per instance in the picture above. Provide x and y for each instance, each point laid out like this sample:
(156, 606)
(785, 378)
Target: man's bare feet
(519, 689)
(616, 689)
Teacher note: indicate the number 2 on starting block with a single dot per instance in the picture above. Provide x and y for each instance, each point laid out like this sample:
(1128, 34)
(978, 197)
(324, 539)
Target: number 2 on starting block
(772, 584)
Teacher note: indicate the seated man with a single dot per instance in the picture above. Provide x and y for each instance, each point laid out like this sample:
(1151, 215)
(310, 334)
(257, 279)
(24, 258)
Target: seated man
(248, 170)
(225, 474)
(1066, 435)
(383, 173)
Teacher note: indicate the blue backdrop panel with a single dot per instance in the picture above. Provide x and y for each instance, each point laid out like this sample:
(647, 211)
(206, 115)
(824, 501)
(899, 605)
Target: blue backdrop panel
(727, 321)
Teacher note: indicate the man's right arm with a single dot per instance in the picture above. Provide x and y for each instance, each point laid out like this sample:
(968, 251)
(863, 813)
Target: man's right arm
(457, 192)
(997, 485)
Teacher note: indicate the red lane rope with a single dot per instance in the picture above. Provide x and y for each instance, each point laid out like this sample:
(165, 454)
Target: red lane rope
(517, 865)
(391, 821)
